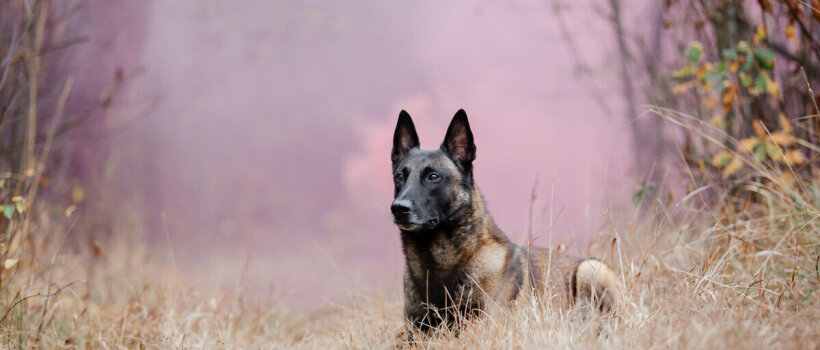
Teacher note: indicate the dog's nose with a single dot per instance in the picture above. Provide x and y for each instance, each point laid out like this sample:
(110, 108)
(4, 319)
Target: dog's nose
(400, 207)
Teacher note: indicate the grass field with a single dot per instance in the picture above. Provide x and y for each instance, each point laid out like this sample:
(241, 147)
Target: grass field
(741, 274)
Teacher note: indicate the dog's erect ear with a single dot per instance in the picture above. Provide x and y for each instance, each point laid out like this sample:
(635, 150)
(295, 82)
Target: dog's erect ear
(458, 143)
(404, 138)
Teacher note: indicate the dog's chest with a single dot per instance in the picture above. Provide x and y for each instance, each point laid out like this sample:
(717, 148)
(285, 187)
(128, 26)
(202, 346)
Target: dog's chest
(455, 268)
(439, 264)
(442, 254)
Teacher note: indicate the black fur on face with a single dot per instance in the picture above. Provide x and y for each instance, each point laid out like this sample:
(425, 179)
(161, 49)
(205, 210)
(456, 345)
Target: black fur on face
(432, 187)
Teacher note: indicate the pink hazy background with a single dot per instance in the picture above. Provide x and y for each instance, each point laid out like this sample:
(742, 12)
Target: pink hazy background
(263, 129)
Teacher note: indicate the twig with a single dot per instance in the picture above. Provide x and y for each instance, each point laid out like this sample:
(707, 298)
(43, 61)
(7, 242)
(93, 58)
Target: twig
(533, 196)
(549, 239)
(58, 116)
(50, 274)
(49, 295)
(813, 100)
(34, 72)
(7, 60)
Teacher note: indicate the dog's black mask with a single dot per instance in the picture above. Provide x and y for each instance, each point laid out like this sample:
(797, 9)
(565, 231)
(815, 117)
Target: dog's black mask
(432, 187)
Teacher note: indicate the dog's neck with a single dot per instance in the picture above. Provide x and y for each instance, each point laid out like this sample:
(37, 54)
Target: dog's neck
(478, 220)
(461, 237)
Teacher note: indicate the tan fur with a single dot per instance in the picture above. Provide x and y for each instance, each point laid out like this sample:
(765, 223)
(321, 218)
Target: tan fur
(598, 284)
(491, 271)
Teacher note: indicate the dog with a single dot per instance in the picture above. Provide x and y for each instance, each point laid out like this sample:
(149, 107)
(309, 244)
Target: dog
(458, 262)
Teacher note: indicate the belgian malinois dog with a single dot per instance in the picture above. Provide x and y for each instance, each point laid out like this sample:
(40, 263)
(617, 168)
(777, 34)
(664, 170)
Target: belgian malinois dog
(459, 263)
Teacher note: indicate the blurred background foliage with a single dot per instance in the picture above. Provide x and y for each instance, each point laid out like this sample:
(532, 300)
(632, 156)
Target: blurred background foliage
(739, 73)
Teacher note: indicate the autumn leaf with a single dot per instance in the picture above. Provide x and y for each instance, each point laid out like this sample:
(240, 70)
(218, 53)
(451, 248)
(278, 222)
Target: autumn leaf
(790, 34)
(733, 166)
(729, 97)
(704, 69)
(96, 248)
(734, 66)
(786, 179)
(781, 138)
(743, 46)
(718, 121)
(795, 157)
(722, 159)
(771, 86)
(683, 87)
(760, 35)
(784, 123)
(70, 210)
(77, 194)
(758, 127)
(709, 102)
(748, 144)
(815, 9)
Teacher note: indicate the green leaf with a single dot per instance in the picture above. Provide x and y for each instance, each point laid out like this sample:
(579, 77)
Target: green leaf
(730, 54)
(723, 160)
(760, 83)
(760, 151)
(716, 78)
(19, 206)
(683, 72)
(771, 150)
(8, 211)
(694, 52)
(765, 58)
(2, 183)
(645, 190)
(722, 67)
(747, 64)
(745, 79)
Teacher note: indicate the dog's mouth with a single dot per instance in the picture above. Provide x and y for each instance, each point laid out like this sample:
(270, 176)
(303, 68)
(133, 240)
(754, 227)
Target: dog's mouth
(407, 225)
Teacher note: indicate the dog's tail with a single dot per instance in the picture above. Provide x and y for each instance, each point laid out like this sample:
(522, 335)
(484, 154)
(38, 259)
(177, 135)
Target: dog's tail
(597, 284)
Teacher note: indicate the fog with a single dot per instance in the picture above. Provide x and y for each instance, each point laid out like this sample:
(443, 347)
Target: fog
(265, 129)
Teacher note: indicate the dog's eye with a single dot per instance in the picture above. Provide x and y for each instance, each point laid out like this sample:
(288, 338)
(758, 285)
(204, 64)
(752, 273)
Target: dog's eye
(433, 177)
(399, 177)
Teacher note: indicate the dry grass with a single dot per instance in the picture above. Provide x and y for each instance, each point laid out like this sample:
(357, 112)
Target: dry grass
(683, 295)
(715, 269)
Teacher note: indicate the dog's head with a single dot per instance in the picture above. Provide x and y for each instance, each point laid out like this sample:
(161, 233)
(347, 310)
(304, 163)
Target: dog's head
(432, 187)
